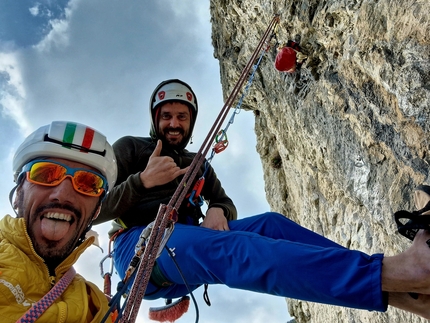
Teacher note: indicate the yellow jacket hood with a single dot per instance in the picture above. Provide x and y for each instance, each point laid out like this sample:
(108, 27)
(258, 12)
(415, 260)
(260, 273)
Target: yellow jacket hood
(24, 279)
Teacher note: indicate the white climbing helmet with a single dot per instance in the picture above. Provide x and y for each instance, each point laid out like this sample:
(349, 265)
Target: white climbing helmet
(68, 140)
(173, 90)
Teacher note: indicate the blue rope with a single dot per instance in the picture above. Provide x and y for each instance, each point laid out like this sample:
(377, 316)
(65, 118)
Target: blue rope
(237, 108)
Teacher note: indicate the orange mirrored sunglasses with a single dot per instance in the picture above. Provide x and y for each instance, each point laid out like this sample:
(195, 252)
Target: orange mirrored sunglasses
(52, 173)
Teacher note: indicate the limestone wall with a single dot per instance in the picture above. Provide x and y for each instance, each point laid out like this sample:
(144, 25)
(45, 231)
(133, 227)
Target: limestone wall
(345, 140)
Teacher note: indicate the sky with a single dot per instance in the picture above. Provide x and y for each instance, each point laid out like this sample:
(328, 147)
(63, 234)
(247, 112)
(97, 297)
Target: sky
(97, 62)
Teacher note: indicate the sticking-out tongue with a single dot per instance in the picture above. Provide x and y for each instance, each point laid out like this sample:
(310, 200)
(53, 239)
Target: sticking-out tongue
(54, 229)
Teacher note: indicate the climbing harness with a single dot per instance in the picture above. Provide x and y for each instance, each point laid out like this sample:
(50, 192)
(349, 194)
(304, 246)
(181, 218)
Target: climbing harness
(154, 237)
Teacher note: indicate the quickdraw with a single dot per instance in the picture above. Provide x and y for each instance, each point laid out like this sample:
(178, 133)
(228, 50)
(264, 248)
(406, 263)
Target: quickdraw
(107, 281)
(194, 198)
(151, 245)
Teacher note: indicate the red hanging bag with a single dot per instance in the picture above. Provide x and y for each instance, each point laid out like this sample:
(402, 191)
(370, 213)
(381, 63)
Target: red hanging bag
(286, 60)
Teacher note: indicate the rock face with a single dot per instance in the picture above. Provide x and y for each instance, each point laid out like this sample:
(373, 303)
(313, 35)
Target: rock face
(345, 140)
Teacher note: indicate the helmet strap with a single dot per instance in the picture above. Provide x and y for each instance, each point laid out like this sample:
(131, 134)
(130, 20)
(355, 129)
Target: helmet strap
(156, 122)
(12, 192)
(90, 224)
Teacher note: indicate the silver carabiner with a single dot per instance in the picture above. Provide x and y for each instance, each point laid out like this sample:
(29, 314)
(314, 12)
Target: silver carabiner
(167, 233)
(102, 273)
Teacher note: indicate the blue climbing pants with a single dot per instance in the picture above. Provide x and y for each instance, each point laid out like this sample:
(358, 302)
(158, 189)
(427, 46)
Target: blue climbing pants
(266, 253)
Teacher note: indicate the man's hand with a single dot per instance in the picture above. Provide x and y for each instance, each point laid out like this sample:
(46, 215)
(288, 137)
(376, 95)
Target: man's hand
(160, 169)
(215, 220)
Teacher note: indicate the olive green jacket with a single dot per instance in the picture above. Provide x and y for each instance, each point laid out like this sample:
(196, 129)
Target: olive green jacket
(129, 203)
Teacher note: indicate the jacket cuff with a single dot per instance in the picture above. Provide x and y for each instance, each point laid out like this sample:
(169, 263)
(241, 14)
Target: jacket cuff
(137, 183)
(224, 208)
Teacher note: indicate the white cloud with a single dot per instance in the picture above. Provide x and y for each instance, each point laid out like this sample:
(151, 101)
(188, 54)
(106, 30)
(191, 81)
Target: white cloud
(39, 10)
(35, 10)
(12, 92)
(183, 9)
(57, 38)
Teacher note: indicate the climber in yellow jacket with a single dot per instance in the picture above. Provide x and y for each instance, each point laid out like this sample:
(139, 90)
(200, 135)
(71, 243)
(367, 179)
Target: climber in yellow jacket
(63, 172)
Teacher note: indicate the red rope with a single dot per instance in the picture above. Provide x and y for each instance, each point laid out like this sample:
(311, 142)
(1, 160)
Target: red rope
(38, 308)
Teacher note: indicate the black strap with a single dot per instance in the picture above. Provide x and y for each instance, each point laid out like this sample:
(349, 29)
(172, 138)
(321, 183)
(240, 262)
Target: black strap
(409, 223)
(206, 295)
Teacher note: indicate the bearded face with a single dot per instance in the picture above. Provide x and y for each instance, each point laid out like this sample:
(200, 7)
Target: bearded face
(174, 123)
(55, 216)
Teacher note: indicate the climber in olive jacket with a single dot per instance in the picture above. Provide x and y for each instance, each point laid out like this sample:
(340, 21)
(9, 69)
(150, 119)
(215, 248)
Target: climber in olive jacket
(131, 204)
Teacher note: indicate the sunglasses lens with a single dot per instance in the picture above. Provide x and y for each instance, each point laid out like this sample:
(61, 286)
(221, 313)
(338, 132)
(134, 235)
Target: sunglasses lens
(51, 174)
(88, 183)
(47, 173)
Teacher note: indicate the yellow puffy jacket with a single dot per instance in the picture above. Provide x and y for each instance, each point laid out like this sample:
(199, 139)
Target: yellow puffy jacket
(24, 279)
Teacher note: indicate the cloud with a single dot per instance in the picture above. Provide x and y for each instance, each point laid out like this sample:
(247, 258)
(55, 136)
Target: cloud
(57, 37)
(85, 65)
(34, 10)
(12, 92)
(97, 62)
(25, 23)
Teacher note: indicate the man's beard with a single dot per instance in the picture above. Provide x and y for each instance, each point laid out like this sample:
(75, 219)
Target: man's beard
(49, 251)
(173, 144)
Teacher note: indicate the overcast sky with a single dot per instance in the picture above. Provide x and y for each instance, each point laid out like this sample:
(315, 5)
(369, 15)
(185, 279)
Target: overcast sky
(97, 62)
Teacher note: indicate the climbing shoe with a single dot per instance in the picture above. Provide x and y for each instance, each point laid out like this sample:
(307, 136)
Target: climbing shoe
(409, 223)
